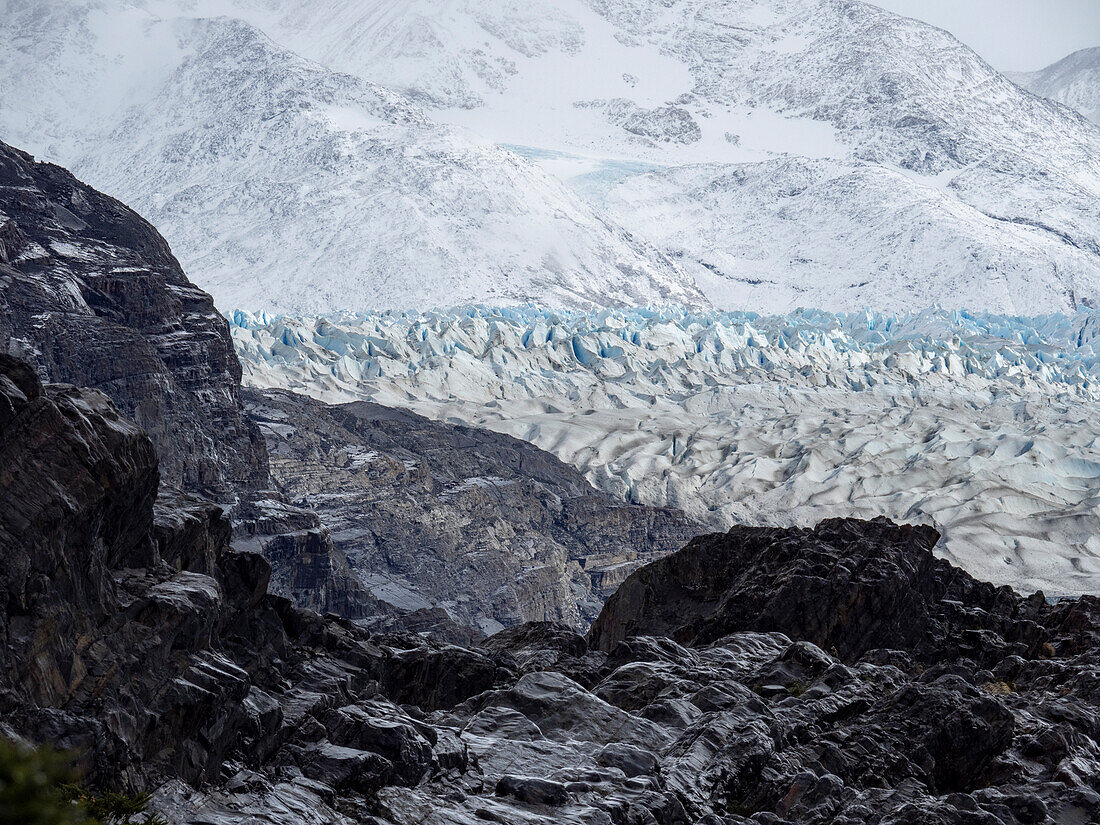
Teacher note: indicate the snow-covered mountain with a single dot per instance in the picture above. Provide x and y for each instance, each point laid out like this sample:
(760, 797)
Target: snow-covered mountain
(1073, 80)
(985, 426)
(798, 232)
(919, 172)
(340, 154)
(284, 185)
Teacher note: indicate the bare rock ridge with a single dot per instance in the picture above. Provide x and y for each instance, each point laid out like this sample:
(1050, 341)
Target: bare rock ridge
(433, 515)
(134, 634)
(90, 294)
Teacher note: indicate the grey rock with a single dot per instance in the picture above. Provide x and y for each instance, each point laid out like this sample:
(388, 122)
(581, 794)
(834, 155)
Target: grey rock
(90, 294)
(343, 768)
(382, 728)
(157, 671)
(631, 760)
(532, 790)
(663, 124)
(427, 515)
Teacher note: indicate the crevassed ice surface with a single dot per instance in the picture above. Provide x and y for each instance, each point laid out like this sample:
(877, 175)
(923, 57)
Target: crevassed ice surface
(986, 426)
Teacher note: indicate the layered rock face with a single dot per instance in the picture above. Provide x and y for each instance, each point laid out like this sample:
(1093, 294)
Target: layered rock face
(91, 295)
(433, 515)
(133, 633)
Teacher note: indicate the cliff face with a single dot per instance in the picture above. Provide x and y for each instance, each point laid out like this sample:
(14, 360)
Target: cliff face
(133, 634)
(429, 514)
(90, 294)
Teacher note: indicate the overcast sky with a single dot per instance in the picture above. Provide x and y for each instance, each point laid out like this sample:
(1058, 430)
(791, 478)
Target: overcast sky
(1013, 35)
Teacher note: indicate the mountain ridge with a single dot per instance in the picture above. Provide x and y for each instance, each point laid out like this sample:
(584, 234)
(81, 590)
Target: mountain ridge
(610, 105)
(1073, 81)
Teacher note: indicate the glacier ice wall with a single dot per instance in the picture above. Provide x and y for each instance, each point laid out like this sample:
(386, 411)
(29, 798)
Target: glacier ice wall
(985, 425)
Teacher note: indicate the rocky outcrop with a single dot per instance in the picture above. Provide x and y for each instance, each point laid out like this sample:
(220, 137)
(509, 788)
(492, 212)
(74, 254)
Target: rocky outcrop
(306, 567)
(432, 515)
(874, 585)
(134, 634)
(90, 294)
(834, 675)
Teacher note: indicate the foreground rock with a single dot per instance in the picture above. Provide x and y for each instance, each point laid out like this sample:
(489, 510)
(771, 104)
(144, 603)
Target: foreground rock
(937, 698)
(135, 635)
(90, 294)
(429, 515)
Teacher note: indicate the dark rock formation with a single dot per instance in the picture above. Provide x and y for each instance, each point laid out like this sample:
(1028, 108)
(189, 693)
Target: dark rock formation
(433, 515)
(134, 634)
(306, 567)
(90, 294)
(873, 585)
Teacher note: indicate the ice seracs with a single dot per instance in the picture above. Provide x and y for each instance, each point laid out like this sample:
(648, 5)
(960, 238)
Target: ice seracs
(982, 425)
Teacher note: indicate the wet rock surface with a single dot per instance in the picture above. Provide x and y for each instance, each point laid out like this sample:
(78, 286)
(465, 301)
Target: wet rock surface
(428, 515)
(133, 633)
(833, 675)
(90, 294)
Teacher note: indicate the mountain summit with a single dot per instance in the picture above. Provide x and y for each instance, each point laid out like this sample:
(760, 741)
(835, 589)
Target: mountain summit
(1073, 81)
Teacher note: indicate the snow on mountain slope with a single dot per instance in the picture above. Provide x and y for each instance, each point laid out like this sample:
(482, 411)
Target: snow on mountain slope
(591, 86)
(797, 232)
(1073, 81)
(284, 185)
(985, 426)
(927, 175)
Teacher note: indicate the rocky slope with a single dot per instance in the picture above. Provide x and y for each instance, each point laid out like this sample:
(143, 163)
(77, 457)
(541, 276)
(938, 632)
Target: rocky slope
(432, 515)
(1073, 81)
(91, 294)
(133, 634)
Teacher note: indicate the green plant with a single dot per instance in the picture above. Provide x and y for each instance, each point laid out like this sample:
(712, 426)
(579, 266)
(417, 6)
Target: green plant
(38, 786)
(797, 688)
(32, 787)
(112, 808)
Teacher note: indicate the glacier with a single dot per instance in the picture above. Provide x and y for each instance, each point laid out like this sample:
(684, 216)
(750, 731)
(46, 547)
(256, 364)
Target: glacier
(986, 426)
